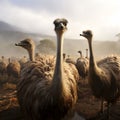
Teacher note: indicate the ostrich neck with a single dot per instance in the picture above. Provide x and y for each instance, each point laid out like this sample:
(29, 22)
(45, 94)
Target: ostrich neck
(92, 63)
(31, 54)
(86, 54)
(81, 55)
(58, 73)
(9, 60)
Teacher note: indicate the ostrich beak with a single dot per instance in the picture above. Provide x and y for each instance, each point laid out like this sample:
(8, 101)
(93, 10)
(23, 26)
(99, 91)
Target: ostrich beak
(20, 44)
(81, 34)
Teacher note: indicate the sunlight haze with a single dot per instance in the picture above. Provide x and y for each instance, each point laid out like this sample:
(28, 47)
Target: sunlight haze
(101, 16)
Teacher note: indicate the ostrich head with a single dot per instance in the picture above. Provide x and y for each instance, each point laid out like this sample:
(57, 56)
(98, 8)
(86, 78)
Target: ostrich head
(79, 51)
(29, 45)
(87, 34)
(2, 57)
(64, 55)
(68, 56)
(60, 25)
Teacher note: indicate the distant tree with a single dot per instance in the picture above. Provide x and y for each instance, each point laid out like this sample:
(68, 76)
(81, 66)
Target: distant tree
(46, 46)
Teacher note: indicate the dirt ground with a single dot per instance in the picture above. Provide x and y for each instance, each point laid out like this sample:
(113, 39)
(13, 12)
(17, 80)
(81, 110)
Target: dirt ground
(86, 106)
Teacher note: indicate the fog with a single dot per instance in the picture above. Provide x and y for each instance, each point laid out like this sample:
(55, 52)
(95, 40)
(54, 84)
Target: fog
(71, 46)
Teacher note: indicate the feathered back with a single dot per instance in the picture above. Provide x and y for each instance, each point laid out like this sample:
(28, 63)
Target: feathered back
(3, 66)
(37, 78)
(82, 64)
(22, 61)
(14, 68)
(111, 62)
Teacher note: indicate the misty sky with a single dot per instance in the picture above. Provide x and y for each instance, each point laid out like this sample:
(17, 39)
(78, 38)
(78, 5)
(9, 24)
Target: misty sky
(101, 16)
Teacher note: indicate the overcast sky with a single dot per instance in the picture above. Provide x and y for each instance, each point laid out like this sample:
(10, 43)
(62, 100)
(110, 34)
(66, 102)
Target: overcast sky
(101, 16)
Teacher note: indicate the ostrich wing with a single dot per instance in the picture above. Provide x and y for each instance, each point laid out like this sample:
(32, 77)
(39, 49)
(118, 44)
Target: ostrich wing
(111, 62)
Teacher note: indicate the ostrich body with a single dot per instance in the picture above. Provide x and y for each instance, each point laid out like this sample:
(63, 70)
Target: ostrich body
(13, 70)
(22, 61)
(3, 66)
(82, 65)
(104, 76)
(47, 89)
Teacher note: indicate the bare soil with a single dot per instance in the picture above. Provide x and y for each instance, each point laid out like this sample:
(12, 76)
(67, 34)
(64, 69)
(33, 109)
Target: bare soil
(87, 105)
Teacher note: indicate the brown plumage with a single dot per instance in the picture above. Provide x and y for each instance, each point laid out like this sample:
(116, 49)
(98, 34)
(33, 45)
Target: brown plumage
(47, 89)
(22, 61)
(82, 65)
(3, 70)
(13, 70)
(104, 76)
(3, 66)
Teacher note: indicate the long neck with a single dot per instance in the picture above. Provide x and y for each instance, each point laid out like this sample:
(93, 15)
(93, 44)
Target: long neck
(58, 74)
(86, 53)
(81, 54)
(92, 63)
(9, 60)
(64, 57)
(31, 54)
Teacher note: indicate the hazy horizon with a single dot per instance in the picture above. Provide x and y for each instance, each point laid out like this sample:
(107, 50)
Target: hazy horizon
(100, 48)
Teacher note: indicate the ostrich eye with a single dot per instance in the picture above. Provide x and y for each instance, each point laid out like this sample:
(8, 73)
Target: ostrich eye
(89, 32)
(25, 42)
(64, 23)
(84, 32)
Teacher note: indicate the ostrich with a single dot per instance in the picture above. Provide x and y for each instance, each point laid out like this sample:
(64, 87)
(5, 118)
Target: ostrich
(104, 76)
(22, 61)
(64, 56)
(13, 70)
(80, 52)
(82, 65)
(3, 71)
(47, 94)
(70, 60)
(3, 66)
